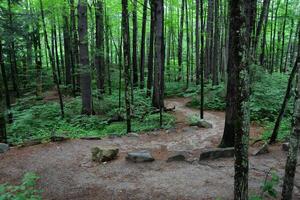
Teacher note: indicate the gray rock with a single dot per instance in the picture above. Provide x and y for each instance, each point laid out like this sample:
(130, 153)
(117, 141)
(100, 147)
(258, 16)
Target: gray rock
(177, 156)
(202, 124)
(285, 146)
(3, 148)
(140, 156)
(133, 135)
(216, 153)
(104, 154)
(261, 150)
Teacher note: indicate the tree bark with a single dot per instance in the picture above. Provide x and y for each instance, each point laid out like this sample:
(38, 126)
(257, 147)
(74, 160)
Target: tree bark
(180, 38)
(99, 55)
(134, 45)
(215, 60)
(85, 76)
(291, 163)
(142, 61)
(126, 51)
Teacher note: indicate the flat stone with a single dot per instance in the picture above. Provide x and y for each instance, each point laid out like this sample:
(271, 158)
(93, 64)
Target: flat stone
(216, 153)
(177, 156)
(140, 156)
(261, 150)
(4, 147)
(104, 154)
(285, 146)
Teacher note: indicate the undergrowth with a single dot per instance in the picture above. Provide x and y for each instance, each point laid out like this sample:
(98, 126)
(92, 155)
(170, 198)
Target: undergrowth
(42, 120)
(25, 191)
(267, 93)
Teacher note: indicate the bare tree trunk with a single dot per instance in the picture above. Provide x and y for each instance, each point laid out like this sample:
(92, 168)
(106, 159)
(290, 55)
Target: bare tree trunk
(85, 76)
(67, 48)
(150, 54)
(3, 137)
(291, 163)
(215, 60)
(282, 68)
(187, 45)
(197, 44)
(142, 61)
(134, 44)
(99, 56)
(126, 51)
(180, 38)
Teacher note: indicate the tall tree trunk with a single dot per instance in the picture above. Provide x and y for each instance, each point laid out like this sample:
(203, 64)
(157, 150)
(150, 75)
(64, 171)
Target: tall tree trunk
(197, 44)
(187, 45)
(85, 71)
(237, 122)
(282, 68)
(142, 61)
(3, 137)
(289, 45)
(158, 89)
(12, 52)
(99, 56)
(56, 53)
(52, 61)
(107, 52)
(209, 37)
(75, 51)
(291, 163)
(134, 44)
(215, 60)
(262, 19)
(67, 48)
(150, 54)
(126, 51)
(202, 61)
(180, 38)
(38, 60)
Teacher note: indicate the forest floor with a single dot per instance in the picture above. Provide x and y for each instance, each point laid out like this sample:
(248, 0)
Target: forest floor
(67, 172)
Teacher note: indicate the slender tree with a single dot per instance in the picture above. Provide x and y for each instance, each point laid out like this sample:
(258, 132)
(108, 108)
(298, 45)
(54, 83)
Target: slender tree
(99, 56)
(142, 59)
(2, 99)
(291, 163)
(126, 51)
(52, 61)
(134, 45)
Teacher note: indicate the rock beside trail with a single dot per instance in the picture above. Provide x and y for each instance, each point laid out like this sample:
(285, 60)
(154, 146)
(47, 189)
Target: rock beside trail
(3, 147)
(261, 150)
(133, 135)
(216, 153)
(140, 156)
(91, 138)
(177, 156)
(285, 146)
(202, 124)
(104, 154)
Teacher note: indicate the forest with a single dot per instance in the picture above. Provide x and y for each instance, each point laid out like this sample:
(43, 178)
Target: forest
(149, 99)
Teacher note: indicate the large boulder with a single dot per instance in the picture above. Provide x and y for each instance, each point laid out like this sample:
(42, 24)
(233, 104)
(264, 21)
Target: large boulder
(104, 154)
(3, 148)
(140, 156)
(216, 153)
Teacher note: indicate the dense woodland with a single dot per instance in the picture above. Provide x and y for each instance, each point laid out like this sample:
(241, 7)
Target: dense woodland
(93, 68)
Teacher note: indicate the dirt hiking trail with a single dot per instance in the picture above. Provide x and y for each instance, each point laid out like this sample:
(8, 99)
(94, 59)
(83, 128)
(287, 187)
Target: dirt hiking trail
(67, 172)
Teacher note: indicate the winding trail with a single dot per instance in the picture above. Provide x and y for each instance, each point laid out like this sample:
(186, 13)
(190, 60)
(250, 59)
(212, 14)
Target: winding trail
(66, 170)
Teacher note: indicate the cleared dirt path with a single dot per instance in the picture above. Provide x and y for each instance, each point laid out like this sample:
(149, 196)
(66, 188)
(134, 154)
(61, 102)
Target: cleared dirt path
(66, 170)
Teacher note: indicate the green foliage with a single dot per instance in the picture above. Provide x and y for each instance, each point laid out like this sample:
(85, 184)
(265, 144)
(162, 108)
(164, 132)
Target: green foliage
(42, 119)
(25, 191)
(268, 187)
